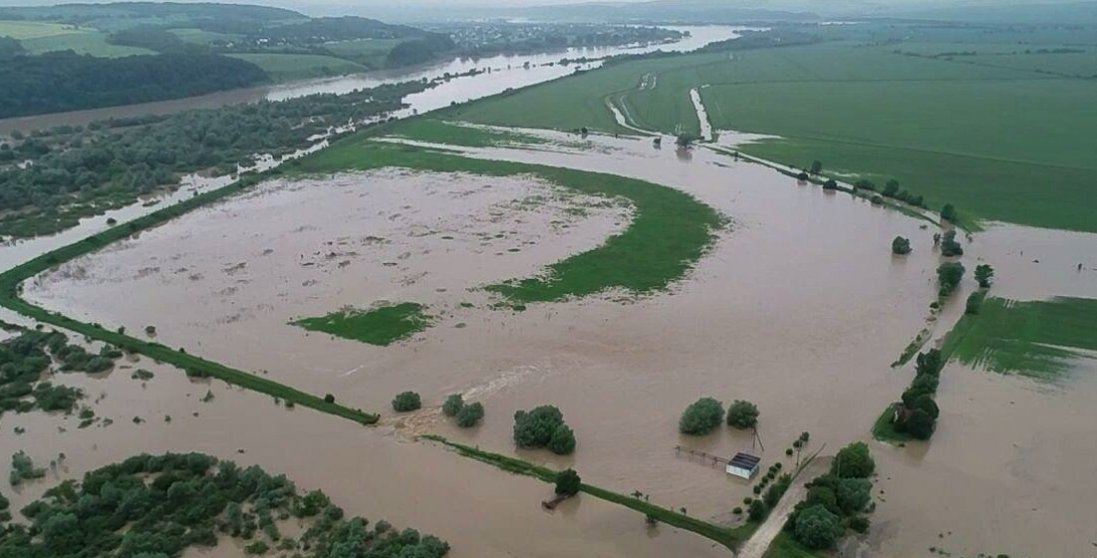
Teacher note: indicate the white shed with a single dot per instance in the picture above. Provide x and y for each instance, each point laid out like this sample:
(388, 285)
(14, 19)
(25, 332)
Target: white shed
(743, 465)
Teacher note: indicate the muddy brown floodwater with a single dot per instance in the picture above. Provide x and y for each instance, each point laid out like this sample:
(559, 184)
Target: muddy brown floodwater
(800, 308)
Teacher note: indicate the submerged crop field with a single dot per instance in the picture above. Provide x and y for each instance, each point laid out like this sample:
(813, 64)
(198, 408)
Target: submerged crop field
(1041, 338)
(383, 325)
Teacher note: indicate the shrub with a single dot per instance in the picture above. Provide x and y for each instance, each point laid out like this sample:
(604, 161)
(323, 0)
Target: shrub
(329, 398)
(742, 414)
(859, 523)
(920, 424)
(950, 246)
(984, 274)
(701, 417)
(817, 528)
(568, 482)
(406, 401)
(820, 495)
(470, 415)
(788, 452)
(830, 184)
(562, 441)
(900, 246)
(737, 510)
(853, 461)
(453, 405)
(891, 188)
(852, 495)
(948, 212)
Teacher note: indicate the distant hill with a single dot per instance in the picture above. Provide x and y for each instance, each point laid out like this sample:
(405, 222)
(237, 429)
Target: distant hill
(120, 15)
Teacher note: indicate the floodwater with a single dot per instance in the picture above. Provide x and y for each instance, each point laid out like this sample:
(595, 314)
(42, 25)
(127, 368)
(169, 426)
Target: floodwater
(507, 71)
(799, 307)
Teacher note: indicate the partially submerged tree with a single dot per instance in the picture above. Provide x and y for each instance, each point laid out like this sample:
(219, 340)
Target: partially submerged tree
(568, 482)
(817, 528)
(742, 414)
(453, 405)
(900, 246)
(543, 427)
(406, 401)
(984, 274)
(701, 417)
(950, 246)
(948, 277)
(816, 167)
(470, 415)
(853, 461)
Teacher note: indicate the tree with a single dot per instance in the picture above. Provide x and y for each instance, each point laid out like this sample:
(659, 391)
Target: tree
(406, 401)
(974, 302)
(948, 213)
(453, 405)
(470, 415)
(950, 246)
(535, 428)
(920, 424)
(701, 417)
(830, 184)
(852, 494)
(742, 414)
(816, 167)
(900, 246)
(757, 510)
(817, 528)
(684, 140)
(562, 441)
(568, 482)
(853, 461)
(949, 275)
(984, 274)
(819, 495)
(891, 188)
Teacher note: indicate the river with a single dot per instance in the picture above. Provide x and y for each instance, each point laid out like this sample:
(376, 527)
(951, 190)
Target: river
(507, 71)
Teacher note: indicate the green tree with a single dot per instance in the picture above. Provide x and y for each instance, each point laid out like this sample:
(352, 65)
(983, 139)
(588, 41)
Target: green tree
(406, 401)
(950, 247)
(949, 275)
(900, 246)
(562, 441)
(920, 424)
(891, 188)
(470, 415)
(853, 494)
(817, 528)
(984, 274)
(535, 428)
(701, 417)
(568, 482)
(830, 184)
(819, 495)
(453, 405)
(853, 461)
(948, 213)
(742, 414)
(757, 510)
(816, 167)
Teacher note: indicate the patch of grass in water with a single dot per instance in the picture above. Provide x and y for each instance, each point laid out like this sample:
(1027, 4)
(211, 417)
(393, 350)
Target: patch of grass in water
(784, 546)
(1038, 339)
(382, 325)
(669, 233)
(884, 428)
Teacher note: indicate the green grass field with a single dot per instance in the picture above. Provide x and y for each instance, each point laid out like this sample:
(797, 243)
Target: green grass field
(20, 30)
(1039, 339)
(201, 36)
(38, 38)
(383, 325)
(372, 53)
(289, 67)
(438, 131)
(784, 546)
(1000, 143)
(669, 233)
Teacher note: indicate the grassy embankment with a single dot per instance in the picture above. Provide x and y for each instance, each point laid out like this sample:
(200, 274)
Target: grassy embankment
(450, 133)
(10, 289)
(669, 232)
(383, 325)
(935, 125)
(729, 537)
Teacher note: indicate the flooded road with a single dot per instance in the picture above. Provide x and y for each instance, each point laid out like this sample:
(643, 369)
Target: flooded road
(507, 71)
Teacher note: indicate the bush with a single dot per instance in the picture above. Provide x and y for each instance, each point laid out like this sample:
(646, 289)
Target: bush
(817, 528)
(819, 495)
(568, 482)
(737, 510)
(406, 401)
(950, 246)
(701, 417)
(742, 414)
(859, 523)
(900, 246)
(852, 495)
(830, 184)
(328, 398)
(453, 405)
(853, 461)
(562, 441)
(984, 274)
(974, 303)
(948, 212)
(920, 424)
(470, 415)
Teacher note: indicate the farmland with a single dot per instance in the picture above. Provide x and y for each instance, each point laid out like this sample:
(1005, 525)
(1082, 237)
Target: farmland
(934, 124)
(288, 67)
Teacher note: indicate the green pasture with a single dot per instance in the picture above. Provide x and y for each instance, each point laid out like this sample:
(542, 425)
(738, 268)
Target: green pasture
(383, 325)
(289, 67)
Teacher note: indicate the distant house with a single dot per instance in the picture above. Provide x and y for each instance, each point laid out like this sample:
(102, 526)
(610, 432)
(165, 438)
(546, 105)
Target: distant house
(743, 465)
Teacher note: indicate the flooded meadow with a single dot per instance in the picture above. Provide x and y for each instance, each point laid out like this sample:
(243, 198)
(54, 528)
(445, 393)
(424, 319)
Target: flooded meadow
(799, 307)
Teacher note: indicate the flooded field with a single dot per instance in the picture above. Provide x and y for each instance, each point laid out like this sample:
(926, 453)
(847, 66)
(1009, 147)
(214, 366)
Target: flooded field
(800, 307)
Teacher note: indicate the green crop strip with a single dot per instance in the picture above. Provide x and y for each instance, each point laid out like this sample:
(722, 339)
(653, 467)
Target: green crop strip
(669, 233)
(723, 535)
(10, 290)
(382, 326)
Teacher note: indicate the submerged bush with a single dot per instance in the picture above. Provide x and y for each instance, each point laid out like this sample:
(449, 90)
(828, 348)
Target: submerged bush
(900, 246)
(742, 414)
(543, 427)
(470, 415)
(406, 401)
(453, 405)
